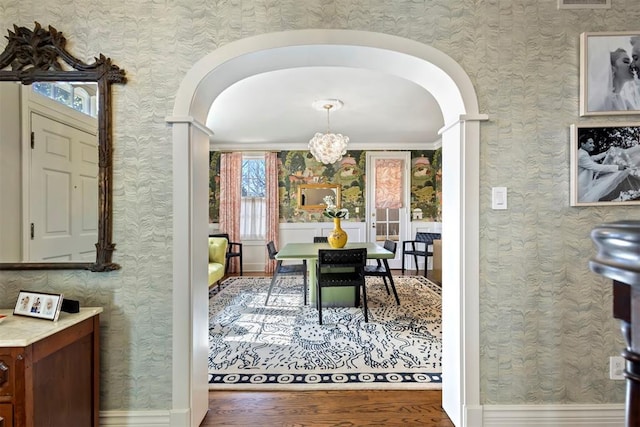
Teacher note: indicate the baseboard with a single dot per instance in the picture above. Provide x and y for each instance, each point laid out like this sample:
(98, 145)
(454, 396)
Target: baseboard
(606, 415)
(135, 418)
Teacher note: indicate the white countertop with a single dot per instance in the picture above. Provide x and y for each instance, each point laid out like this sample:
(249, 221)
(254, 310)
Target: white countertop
(21, 331)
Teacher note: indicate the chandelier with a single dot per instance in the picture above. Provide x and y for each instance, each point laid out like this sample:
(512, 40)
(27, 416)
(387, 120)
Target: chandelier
(328, 147)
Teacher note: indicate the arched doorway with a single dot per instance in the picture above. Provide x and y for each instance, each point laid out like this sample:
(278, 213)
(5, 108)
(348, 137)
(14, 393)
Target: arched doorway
(407, 59)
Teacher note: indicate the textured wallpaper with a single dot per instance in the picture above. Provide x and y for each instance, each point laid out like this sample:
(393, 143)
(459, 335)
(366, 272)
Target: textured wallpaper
(546, 329)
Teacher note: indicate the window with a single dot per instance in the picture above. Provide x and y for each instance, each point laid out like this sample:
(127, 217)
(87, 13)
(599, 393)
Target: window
(253, 207)
(73, 95)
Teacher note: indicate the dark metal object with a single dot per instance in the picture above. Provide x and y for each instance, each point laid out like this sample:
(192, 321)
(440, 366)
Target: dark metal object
(618, 258)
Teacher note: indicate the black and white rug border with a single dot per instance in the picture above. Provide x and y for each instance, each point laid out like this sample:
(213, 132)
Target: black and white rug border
(325, 380)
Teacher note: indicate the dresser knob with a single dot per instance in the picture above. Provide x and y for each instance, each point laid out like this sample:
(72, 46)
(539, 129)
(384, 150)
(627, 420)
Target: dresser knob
(4, 373)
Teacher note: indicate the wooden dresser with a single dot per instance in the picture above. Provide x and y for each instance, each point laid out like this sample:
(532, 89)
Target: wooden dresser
(50, 371)
(618, 258)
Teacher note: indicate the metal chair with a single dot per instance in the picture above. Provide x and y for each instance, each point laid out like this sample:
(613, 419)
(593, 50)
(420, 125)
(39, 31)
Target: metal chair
(231, 253)
(422, 246)
(338, 268)
(320, 239)
(382, 269)
(286, 269)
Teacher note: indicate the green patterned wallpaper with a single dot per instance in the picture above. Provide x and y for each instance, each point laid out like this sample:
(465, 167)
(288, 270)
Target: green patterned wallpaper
(299, 167)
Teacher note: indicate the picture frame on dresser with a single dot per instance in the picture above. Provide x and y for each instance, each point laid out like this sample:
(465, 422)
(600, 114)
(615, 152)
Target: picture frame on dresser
(609, 71)
(42, 305)
(605, 164)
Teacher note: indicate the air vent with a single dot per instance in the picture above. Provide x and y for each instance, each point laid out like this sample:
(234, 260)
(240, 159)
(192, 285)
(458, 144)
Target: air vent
(584, 4)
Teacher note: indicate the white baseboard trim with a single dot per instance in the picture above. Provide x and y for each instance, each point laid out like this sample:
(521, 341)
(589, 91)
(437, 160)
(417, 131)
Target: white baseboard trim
(606, 415)
(135, 418)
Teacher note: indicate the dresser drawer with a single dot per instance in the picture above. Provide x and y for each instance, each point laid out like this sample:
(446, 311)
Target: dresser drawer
(6, 415)
(7, 375)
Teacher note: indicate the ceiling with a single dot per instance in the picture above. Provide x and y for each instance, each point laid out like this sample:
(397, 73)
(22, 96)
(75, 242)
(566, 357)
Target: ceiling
(274, 110)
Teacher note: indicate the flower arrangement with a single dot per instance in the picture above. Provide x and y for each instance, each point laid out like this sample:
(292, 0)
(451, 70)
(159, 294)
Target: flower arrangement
(331, 211)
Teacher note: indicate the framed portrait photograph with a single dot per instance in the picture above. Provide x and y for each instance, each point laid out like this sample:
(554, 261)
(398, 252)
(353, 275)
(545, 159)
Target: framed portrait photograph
(605, 164)
(609, 73)
(38, 304)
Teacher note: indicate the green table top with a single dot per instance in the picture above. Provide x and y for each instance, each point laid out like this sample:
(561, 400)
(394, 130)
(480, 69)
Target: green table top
(310, 250)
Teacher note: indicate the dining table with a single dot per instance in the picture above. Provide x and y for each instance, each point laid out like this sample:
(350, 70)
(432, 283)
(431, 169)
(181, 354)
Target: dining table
(331, 297)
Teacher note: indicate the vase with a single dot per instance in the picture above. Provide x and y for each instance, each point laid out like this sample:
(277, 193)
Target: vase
(338, 237)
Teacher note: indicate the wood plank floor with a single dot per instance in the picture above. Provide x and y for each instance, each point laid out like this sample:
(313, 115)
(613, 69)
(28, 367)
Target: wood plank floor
(326, 408)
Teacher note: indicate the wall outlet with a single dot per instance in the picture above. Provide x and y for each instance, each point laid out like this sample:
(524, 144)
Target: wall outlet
(616, 367)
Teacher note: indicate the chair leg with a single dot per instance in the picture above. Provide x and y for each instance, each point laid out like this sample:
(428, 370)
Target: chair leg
(304, 276)
(415, 259)
(364, 303)
(403, 257)
(273, 280)
(426, 263)
(384, 279)
(393, 286)
(319, 302)
(241, 272)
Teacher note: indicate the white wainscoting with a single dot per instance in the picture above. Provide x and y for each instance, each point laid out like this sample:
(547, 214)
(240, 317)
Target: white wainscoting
(135, 418)
(605, 415)
(304, 232)
(423, 227)
(254, 251)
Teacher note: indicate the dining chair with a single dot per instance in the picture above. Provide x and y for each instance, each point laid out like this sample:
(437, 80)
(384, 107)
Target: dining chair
(286, 270)
(422, 246)
(339, 268)
(320, 239)
(381, 269)
(231, 252)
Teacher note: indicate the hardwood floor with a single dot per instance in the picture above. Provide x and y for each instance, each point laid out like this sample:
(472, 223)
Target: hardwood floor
(327, 408)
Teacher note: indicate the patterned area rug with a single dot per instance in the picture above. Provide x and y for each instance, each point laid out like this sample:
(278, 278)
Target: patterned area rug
(253, 346)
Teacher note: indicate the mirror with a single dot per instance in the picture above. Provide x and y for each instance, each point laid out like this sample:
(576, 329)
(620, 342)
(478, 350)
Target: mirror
(311, 196)
(81, 231)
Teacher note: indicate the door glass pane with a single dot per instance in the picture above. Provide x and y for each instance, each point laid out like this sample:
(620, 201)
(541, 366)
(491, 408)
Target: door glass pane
(394, 231)
(381, 214)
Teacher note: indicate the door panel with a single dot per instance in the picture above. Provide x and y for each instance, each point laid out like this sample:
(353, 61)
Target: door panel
(388, 199)
(63, 192)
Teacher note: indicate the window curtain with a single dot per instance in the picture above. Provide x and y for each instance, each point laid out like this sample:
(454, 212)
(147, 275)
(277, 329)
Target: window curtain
(388, 184)
(252, 218)
(273, 205)
(230, 197)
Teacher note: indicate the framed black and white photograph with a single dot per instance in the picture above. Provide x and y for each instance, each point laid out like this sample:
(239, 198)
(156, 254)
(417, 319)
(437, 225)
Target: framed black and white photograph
(605, 164)
(38, 304)
(609, 76)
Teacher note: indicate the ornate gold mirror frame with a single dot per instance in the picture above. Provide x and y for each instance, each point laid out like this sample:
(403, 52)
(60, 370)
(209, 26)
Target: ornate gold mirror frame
(35, 55)
(311, 196)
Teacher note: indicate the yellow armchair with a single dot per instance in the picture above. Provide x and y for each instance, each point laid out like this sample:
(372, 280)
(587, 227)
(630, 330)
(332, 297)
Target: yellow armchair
(217, 259)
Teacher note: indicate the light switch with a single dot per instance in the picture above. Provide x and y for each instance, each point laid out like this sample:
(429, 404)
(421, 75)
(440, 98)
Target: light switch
(499, 198)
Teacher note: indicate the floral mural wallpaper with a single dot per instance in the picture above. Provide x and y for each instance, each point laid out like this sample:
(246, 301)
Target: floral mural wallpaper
(299, 167)
(426, 185)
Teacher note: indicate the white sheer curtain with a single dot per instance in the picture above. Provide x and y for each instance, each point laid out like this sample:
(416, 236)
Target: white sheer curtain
(253, 212)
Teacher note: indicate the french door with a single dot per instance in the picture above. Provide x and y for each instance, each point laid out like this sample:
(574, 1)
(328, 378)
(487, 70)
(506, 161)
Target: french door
(388, 191)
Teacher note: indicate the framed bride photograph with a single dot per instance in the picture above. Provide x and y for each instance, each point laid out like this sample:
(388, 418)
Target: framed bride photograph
(610, 73)
(605, 164)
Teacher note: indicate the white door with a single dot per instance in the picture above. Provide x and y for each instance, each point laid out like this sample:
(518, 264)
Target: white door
(63, 198)
(388, 191)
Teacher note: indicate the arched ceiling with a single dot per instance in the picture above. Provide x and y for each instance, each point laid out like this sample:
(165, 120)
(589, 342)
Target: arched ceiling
(380, 111)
